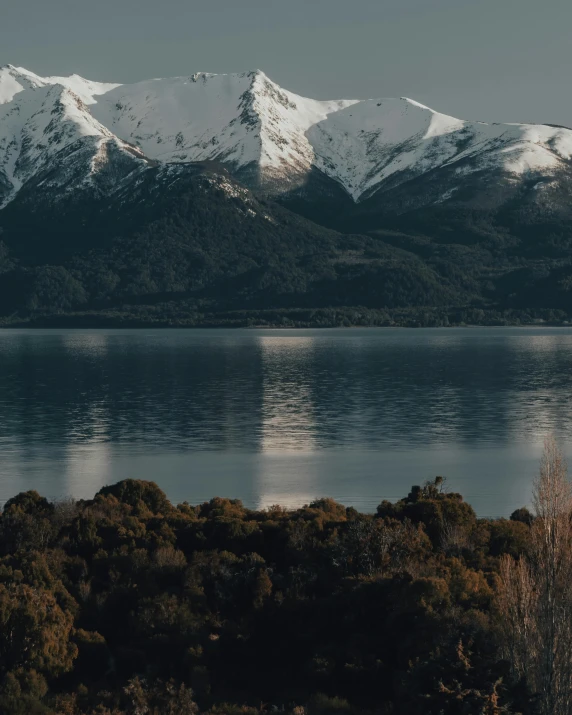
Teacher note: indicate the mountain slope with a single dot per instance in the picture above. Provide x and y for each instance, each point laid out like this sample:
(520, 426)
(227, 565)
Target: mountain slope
(49, 141)
(274, 139)
(178, 201)
(185, 244)
(383, 143)
(245, 121)
(208, 244)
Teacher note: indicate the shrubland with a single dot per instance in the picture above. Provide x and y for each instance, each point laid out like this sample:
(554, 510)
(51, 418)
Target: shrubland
(126, 604)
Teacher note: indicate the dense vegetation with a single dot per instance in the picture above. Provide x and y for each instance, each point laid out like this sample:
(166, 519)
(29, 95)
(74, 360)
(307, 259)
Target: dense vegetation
(127, 604)
(208, 252)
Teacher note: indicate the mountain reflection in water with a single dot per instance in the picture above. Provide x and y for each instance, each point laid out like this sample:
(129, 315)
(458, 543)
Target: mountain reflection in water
(283, 416)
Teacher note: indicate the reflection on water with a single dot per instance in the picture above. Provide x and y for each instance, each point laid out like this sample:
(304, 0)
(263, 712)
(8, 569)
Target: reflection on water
(283, 416)
(287, 415)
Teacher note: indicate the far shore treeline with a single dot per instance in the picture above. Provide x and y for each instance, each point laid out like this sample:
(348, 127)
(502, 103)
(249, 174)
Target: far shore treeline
(126, 604)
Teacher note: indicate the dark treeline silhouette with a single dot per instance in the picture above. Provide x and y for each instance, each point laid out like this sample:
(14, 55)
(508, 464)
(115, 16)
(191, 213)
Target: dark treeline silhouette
(127, 604)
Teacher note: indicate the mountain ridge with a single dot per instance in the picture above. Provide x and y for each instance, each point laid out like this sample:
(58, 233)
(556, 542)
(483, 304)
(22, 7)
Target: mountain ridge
(273, 138)
(177, 201)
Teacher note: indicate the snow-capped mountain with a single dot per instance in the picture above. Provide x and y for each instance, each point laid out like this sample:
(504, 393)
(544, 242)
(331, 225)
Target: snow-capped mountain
(50, 140)
(373, 141)
(69, 133)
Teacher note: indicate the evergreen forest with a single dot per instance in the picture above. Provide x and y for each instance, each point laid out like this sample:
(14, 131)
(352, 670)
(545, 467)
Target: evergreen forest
(209, 252)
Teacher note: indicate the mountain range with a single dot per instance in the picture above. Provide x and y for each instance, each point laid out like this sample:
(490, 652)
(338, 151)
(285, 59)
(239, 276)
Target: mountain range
(211, 199)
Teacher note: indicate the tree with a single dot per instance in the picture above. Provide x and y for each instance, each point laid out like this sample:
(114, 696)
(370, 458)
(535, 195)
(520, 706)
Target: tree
(159, 698)
(55, 288)
(534, 592)
(25, 522)
(34, 631)
(262, 588)
(136, 492)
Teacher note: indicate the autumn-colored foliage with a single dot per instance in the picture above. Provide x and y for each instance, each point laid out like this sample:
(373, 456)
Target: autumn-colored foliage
(126, 604)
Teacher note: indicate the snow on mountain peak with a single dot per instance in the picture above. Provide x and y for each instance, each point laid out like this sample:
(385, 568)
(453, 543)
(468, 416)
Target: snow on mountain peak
(244, 120)
(260, 130)
(14, 80)
(39, 125)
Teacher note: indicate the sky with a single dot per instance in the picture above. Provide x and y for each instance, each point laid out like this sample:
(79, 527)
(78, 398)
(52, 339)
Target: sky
(487, 60)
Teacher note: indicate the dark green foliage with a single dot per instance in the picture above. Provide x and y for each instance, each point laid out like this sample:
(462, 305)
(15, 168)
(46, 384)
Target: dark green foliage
(127, 604)
(522, 515)
(135, 492)
(508, 537)
(208, 252)
(54, 288)
(446, 518)
(28, 503)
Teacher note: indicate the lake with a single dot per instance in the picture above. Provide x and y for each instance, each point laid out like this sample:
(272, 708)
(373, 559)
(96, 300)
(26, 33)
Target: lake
(284, 416)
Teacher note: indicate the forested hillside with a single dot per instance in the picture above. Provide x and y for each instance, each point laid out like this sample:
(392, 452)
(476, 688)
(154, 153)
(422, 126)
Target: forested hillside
(210, 252)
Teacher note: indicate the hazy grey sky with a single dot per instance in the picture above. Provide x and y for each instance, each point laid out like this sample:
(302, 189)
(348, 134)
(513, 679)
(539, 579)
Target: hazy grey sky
(492, 60)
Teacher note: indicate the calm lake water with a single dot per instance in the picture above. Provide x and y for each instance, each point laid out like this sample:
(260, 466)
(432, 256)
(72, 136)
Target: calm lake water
(283, 416)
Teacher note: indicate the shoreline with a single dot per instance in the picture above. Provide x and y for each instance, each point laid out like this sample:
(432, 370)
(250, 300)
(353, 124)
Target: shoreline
(170, 316)
(230, 326)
